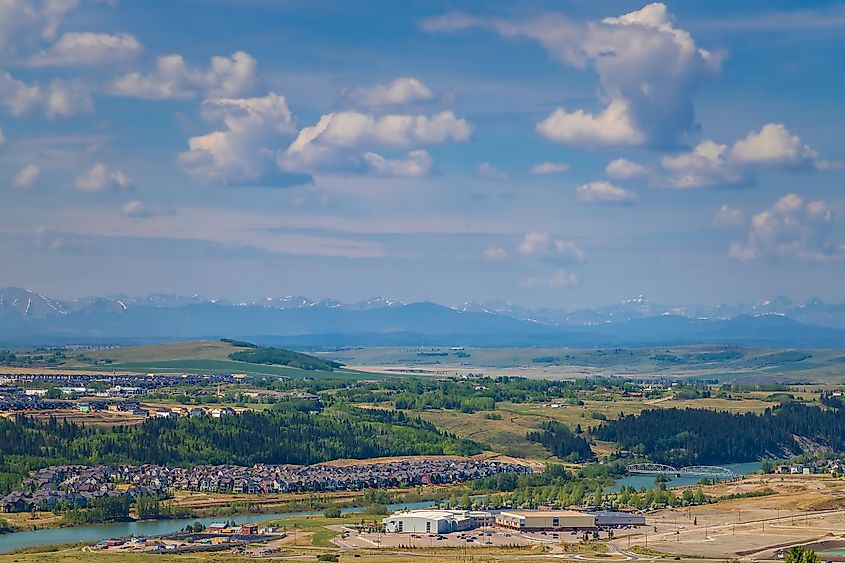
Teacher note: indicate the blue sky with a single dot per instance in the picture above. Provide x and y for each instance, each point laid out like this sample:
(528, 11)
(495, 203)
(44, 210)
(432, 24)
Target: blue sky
(561, 154)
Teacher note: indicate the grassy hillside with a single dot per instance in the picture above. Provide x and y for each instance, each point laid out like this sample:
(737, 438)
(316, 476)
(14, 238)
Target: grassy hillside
(206, 356)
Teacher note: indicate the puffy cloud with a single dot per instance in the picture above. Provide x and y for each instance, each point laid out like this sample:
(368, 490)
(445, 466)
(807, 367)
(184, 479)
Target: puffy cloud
(174, 78)
(27, 177)
(417, 163)
(533, 243)
(2, 139)
(611, 127)
(775, 146)
(101, 178)
(625, 169)
(711, 164)
(24, 23)
(727, 217)
(543, 245)
(403, 90)
(495, 254)
(332, 142)
(543, 168)
(604, 192)
(139, 210)
(487, 171)
(558, 278)
(242, 151)
(791, 228)
(87, 49)
(59, 98)
(705, 166)
(648, 72)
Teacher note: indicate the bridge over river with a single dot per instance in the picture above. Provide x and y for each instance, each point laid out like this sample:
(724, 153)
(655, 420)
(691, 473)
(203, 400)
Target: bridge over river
(693, 470)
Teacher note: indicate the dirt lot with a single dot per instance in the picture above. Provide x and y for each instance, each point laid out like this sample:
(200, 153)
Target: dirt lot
(468, 539)
(806, 509)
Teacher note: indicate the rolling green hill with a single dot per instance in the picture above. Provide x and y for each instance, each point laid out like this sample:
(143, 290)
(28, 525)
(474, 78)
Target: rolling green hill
(227, 356)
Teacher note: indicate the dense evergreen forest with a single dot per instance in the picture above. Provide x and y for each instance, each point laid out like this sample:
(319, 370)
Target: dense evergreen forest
(560, 441)
(268, 437)
(698, 436)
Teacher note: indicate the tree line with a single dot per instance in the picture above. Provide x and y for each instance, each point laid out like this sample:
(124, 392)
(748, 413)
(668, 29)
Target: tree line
(705, 437)
(275, 437)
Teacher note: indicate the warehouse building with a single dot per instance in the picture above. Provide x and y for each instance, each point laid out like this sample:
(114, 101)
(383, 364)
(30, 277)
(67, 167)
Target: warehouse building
(614, 519)
(537, 520)
(428, 522)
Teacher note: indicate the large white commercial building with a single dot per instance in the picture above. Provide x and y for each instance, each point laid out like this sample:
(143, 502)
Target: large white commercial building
(429, 521)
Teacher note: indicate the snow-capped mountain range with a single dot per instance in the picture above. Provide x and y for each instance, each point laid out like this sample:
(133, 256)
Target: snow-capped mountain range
(26, 314)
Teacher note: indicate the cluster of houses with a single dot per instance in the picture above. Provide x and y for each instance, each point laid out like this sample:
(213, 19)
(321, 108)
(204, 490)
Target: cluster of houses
(817, 467)
(133, 383)
(213, 412)
(13, 400)
(70, 486)
(67, 484)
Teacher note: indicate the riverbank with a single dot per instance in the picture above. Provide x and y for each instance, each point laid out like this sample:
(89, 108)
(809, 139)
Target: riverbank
(93, 533)
(221, 505)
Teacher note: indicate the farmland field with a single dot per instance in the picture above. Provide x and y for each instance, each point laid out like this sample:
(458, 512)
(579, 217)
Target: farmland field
(725, 364)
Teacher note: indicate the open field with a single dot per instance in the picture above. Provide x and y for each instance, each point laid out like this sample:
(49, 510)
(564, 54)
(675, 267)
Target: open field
(806, 509)
(508, 434)
(693, 362)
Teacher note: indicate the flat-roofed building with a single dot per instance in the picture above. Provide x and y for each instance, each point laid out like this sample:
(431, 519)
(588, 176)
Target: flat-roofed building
(531, 520)
(428, 522)
(481, 518)
(614, 519)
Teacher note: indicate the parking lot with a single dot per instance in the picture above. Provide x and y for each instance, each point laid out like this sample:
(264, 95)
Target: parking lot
(491, 537)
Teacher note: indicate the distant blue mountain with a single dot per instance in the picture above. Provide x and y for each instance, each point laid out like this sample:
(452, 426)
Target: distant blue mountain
(29, 317)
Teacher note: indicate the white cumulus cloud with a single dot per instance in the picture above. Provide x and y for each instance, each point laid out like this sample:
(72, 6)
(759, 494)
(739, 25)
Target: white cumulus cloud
(488, 171)
(417, 163)
(24, 24)
(711, 164)
(791, 228)
(242, 151)
(101, 178)
(625, 169)
(58, 98)
(542, 244)
(775, 146)
(335, 140)
(727, 217)
(174, 78)
(648, 68)
(89, 49)
(604, 192)
(705, 166)
(612, 127)
(27, 177)
(401, 91)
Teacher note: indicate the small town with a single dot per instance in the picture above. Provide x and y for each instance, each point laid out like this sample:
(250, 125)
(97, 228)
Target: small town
(76, 485)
